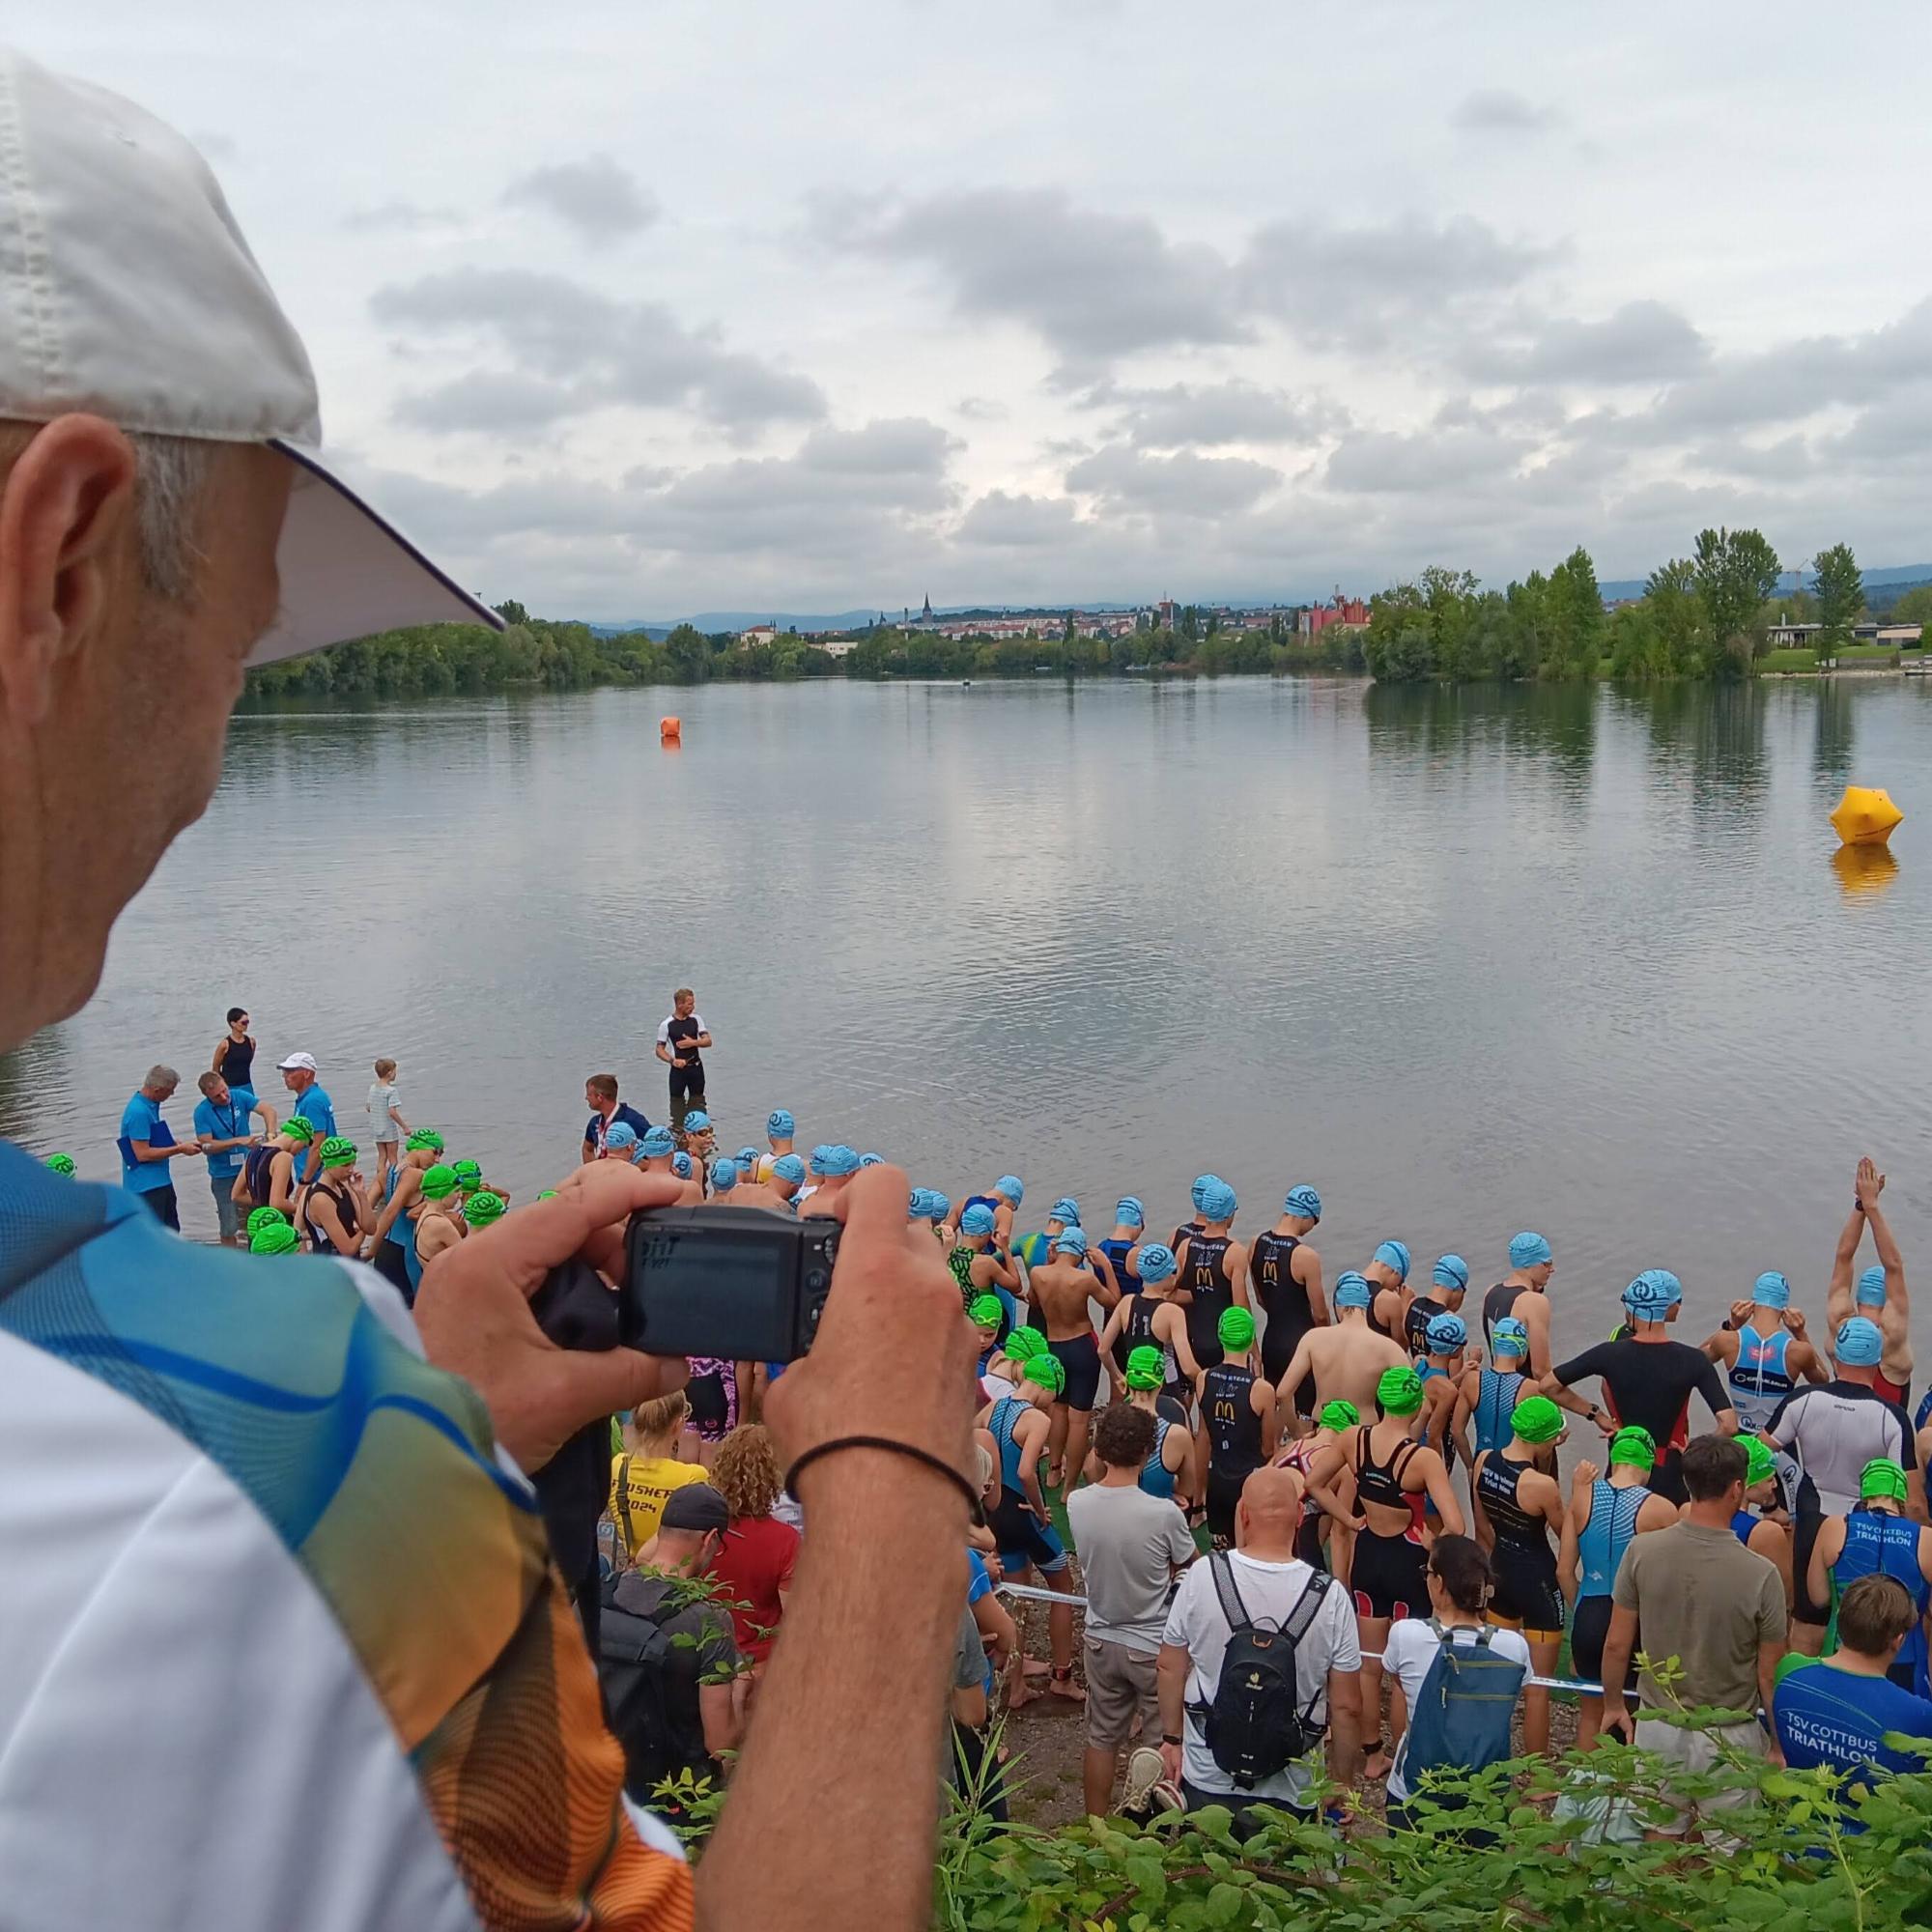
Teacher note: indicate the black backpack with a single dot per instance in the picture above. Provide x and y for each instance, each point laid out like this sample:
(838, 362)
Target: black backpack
(634, 1656)
(1258, 1724)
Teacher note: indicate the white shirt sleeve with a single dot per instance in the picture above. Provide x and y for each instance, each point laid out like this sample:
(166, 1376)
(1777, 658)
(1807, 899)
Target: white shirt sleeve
(702, 1027)
(1180, 1615)
(664, 1032)
(1344, 1633)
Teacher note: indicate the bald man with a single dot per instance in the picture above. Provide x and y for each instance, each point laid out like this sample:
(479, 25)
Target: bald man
(1276, 1589)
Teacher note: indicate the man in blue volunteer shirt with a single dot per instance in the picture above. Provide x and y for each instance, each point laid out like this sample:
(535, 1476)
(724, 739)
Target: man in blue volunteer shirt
(225, 1125)
(313, 1105)
(148, 1145)
(1836, 1712)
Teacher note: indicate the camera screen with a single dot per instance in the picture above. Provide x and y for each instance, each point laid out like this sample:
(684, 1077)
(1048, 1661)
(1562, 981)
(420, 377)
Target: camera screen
(713, 1294)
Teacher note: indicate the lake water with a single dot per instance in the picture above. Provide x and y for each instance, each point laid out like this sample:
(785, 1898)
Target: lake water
(1465, 960)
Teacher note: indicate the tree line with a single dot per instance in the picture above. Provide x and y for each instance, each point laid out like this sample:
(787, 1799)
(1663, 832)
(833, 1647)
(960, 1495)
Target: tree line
(1707, 615)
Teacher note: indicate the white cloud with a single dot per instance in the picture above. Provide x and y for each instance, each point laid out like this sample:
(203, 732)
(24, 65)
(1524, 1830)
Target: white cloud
(597, 199)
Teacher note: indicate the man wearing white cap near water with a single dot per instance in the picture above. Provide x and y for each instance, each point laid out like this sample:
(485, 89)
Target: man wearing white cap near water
(248, 1508)
(1833, 1432)
(299, 1073)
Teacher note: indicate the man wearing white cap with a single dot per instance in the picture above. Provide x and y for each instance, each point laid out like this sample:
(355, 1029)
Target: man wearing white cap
(312, 1102)
(246, 1512)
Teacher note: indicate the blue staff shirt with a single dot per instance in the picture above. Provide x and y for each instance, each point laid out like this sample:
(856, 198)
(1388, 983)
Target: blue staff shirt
(225, 1123)
(141, 1120)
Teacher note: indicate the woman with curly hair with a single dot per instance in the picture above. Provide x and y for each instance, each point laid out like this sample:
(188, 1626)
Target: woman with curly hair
(754, 1565)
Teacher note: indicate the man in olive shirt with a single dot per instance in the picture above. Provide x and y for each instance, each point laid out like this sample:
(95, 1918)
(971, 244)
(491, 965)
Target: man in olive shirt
(1716, 1610)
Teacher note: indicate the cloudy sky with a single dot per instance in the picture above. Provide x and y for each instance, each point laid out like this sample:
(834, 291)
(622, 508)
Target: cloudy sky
(635, 309)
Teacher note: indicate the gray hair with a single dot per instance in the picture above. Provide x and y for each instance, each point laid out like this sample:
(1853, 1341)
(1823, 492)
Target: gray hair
(160, 1076)
(170, 480)
(170, 477)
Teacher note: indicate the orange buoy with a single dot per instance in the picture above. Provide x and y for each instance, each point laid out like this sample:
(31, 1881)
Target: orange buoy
(1865, 816)
(670, 731)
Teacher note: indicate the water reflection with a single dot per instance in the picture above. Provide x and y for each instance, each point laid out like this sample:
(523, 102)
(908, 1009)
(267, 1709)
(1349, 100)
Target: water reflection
(1865, 871)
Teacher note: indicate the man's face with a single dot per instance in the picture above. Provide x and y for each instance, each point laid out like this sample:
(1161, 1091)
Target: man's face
(218, 1092)
(166, 1093)
(684, 1005)
(599, 1103)
(143, 683)
(295, 1078)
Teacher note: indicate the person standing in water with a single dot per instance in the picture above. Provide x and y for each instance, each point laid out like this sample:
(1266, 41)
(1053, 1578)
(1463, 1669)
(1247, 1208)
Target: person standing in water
(1284, 1281)
(235, 1052)
(682, 1036)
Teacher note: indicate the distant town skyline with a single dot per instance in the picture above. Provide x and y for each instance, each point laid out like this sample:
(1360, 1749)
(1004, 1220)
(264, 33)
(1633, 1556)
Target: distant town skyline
(640, 311)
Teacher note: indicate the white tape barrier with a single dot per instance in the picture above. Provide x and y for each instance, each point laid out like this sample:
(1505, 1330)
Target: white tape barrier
(1579, 1685)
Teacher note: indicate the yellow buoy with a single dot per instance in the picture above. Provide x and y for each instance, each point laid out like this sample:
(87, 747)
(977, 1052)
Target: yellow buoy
(1865, 816)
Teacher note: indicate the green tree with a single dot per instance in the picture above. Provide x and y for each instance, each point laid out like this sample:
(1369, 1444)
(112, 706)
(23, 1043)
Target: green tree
(1915, 607)
(1576, 610)
(1841, 597)
(1737, 570)
(689, 650)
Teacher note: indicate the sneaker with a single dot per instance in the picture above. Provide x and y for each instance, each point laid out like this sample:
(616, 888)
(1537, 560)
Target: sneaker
(1144, 1776)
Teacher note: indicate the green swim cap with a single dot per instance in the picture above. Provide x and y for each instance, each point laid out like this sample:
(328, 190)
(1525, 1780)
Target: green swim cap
(297, 1124)
(483, 1207)
(1399, 1391)
(423, 1137)
(469, 1173)
(1235, 1328)
(438, 1183)
(1634, 1447)
(1146, 1368)
(1045, 1370)
(1760, 1464)
(278, 1238)
(985, 1311)
(1339, 1415)
(61, 1163)
(338, 1151)
(266, 1217)
(1881, 1477)
(547, 1194)
(1024, 1344)
(1537, 1419)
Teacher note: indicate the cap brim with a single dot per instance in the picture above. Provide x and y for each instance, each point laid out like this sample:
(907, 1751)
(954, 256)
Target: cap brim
(347, 573)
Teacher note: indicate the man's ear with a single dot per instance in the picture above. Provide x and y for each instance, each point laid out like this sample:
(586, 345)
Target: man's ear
(65, 505)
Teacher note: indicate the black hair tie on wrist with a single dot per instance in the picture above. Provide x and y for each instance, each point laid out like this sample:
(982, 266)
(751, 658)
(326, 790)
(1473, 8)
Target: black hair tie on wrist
(926, 1456)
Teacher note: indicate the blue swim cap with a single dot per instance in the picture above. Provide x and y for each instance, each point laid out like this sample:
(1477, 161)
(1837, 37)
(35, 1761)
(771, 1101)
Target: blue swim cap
(817, 1156)
(723, 1174)
(1509, 1337)
(1131, 1213)
(1201, 1182)
(1352, 1290)
(1860, 1343)
(779, 1126)
(1451, 1271)
(1871, 1288)
(788, 1167)
(1218, 1203)
(1395, 1254)
(841, 1159)
(871, 1160)
(1303, 1202)
(977, 1220)
(697, 1120)
(747, 1158)
(1067, 1210)
(1770, 1289)
(1156, 1262)
(1446, 1332)
(1653, 1295)
(1011, 1185)
(657, 1143)
(680, 1165)
(1528, 1251)
(1069, 1241)
(937, 1206)
(917, 1204)
(620, 1134)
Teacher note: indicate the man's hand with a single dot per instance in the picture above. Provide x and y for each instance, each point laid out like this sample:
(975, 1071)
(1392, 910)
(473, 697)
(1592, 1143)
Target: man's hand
(474, 1316)
(1617, 1719)
(1871, 1183)
(894, 1300)
(1170, 1763)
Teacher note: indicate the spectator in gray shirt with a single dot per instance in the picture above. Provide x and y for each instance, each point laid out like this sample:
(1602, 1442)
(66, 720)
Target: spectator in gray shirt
(1131, 1546)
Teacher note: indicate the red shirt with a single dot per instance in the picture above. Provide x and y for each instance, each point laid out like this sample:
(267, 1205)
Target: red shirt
(753, 1565)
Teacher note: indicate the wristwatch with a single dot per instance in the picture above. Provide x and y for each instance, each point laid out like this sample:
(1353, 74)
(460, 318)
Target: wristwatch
(1168, 1738)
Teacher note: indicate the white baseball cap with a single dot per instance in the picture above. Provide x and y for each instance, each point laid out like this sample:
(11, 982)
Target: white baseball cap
(127, 291)
(296, 1063)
